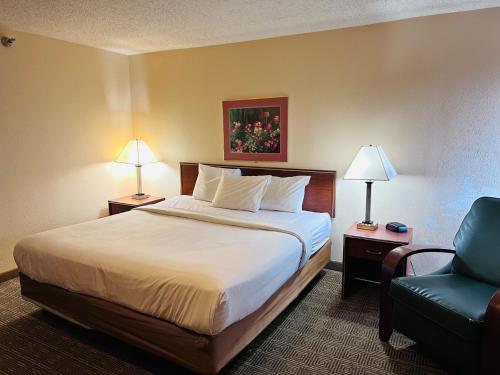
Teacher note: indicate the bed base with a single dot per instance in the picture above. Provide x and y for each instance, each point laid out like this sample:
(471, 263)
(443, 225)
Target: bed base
(203, 354)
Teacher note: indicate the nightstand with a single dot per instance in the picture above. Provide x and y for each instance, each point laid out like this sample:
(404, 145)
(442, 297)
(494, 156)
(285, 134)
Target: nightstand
(364, 251)
(125, 204)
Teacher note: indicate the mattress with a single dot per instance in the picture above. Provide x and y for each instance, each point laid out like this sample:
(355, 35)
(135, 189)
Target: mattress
(181, 260)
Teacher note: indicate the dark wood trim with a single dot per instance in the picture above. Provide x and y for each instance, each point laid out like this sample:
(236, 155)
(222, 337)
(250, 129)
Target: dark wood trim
(8, 275)
(391, 268)
(319, 194)
(335, 266)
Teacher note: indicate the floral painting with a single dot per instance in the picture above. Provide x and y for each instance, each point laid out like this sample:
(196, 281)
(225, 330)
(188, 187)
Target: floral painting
(255, 129)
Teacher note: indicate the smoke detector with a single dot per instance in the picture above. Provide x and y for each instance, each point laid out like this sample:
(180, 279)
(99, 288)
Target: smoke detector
(7, 41)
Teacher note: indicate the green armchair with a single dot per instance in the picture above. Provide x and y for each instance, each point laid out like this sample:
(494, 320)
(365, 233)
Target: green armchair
(453, 313)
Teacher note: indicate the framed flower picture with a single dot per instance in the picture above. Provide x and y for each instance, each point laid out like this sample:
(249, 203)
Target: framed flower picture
(256, 129)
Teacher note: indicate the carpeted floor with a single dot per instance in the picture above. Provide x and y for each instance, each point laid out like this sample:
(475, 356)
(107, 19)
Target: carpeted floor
(317, 334)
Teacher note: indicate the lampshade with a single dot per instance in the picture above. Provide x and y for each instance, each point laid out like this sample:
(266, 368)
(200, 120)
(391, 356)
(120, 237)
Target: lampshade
(136, 152)
(370, 164)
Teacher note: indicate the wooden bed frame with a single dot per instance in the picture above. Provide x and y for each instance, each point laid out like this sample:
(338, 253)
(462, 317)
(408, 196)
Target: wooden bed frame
(201, 353)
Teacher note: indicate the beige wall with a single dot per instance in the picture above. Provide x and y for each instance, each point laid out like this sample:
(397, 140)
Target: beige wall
(427, 89)
(64, 114)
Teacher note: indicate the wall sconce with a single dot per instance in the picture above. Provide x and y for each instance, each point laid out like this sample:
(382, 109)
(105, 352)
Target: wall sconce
(7, 41)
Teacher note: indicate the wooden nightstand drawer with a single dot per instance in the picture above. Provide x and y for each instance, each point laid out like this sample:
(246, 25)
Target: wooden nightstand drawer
(366, 249)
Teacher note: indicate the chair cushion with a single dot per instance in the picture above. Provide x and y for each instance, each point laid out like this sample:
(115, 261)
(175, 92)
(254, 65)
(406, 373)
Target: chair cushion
(455, 302)
(478, 242)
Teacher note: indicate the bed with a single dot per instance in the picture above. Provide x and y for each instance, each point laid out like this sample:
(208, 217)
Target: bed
(189, 282)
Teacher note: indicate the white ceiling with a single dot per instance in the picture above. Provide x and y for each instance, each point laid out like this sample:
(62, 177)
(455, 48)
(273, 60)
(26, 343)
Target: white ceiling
(138, 26)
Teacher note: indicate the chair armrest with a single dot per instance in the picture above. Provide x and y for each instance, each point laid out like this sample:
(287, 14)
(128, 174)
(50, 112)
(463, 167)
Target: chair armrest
(391, 267)
(491, 338)
(393, 259)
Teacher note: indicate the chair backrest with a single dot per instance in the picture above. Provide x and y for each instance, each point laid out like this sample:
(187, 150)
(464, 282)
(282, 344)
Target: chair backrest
(478, 242)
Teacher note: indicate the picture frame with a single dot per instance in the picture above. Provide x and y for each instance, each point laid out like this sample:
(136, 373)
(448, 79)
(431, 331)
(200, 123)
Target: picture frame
(256, 129)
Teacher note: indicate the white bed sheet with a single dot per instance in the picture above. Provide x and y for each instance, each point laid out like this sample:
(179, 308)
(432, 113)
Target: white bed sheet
(197, 274)
(319, 225)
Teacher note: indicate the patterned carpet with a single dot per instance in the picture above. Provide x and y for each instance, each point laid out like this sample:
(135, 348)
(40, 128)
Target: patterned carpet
(317, 334)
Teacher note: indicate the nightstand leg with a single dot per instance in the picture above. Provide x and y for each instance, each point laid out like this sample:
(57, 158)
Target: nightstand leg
(345, 279)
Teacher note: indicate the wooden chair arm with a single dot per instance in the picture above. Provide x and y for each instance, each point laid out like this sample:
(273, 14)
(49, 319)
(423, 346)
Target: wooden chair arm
(391, 267)
(491, 336)
(393, 259)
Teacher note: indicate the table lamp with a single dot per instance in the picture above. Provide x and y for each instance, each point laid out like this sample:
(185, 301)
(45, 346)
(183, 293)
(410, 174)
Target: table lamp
(138, 153)
(370, 164)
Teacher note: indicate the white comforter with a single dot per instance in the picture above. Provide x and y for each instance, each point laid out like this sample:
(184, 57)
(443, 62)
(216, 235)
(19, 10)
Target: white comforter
(200, 267)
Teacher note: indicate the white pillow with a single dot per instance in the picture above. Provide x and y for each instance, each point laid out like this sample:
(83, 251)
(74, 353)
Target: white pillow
(241, 192)
(285, 194)
(208, 180)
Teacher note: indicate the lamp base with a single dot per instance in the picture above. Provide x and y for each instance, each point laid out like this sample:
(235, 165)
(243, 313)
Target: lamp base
(367, 226)
(140, 196)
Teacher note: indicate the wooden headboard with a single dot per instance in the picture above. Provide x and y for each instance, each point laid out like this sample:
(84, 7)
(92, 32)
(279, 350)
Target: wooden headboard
(319, 195)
